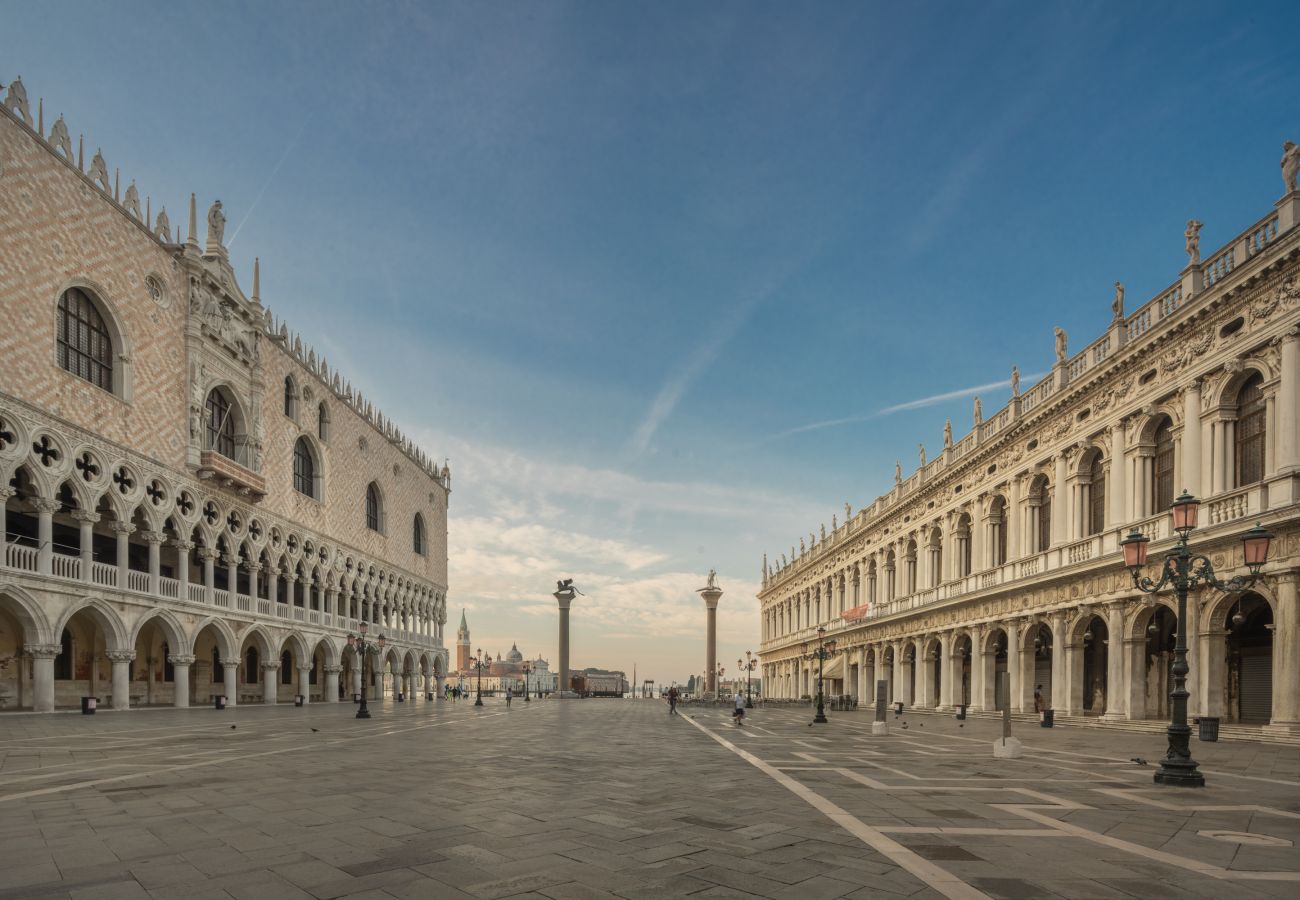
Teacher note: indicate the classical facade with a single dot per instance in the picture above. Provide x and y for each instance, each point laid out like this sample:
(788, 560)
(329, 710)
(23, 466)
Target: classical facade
(1001, 553)
(194, 503)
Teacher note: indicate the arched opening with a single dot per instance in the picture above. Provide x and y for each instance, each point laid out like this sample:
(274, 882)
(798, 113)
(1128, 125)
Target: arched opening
(1248, 450)
(891, 580)
(18, 629)
(908, 694)
(1158, 660)
(934, 554)
(290, 397)
(85, 340)
(374, 508)
(961, 670)
(1249, 688)
(998, 530)
(1040, 513)
(417, 535)
(306, 476)
(909, 569)
(936, 675)
(252, 666)
(1093, 499)
(82, 667)
(997, 672)
(1095, 653)
(323, 422)
(224, 426)
(962, 535)
(153, 676)
(1040, 666)
(1162, 467)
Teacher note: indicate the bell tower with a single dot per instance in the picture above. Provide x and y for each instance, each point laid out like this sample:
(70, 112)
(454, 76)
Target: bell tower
(462, 644)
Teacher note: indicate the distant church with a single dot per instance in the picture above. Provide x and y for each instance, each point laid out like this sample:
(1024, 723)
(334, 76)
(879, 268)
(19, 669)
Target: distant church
(502, 672)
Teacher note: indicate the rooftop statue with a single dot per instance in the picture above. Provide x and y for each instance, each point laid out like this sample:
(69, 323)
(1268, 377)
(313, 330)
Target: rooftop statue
(898, 471)
(1060, 344)
(1193, 245)
(1015, 381)
(979, 411)
(947, 433)
(1290, 166)
(1117, 305)
(713, 579)
(920, 450)
(216, 223)
(566, 587)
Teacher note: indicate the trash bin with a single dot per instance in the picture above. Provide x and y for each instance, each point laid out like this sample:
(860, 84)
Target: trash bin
(88, 705)
(1047, 718)
(297, 699)
(1209, 728)
(219, 701)
(898, 709)
(961, 711)
(356, 698)
(428, 695)
(401, 697)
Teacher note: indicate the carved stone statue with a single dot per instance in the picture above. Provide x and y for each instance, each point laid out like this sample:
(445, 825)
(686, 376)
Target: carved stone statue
(898, 471)
(163, 227)
(979, 411)
(1193, 244)
(198, 375)
(565, 586)
(848, 513)
(802, 547)
(823, 532)
(216, 223)
(835, 523)
(920, 451)
(1290, 167)
(1060, 344)
(1015, 381)
(947, 434)
(1117, 305)
(713, 580)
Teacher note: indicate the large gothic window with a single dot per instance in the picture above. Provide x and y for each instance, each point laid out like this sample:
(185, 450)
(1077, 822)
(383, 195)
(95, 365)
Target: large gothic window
(374, 508)
(417, 535)
(1162, 480)
(85, 345)
(1250, 432)
(251, 666)
(1096, 497)
(304, 469)
(323, 422)
(220, 424)
(290, 398)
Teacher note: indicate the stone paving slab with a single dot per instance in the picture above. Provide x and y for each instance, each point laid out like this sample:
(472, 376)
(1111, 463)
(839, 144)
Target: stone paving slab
(600, 799)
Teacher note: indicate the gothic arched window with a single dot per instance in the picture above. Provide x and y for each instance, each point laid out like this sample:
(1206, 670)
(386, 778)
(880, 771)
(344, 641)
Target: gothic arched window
(290, 397)
(219, 423)
(374, 508)
(304, 469)
(417, 535)
(84, 342)
(286, 668)
(323, 422)
(250, 666)
(1250, 432)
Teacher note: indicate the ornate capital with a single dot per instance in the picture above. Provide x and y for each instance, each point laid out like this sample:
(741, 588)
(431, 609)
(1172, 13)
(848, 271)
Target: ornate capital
(154, 537)
(121, 527)
(333, 670)
(207, 553)
(120, 655)
(85, 516)
(270, 666)
(42, 651)
(180, 660)
(229, 663)
(183, 546)
(42, 505)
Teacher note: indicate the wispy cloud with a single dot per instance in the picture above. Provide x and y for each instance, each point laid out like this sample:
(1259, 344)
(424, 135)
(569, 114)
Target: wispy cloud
(269, 178)
(921, 403)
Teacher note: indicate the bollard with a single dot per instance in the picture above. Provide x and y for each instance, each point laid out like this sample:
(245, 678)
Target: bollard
(1006, 747)
(880, 726)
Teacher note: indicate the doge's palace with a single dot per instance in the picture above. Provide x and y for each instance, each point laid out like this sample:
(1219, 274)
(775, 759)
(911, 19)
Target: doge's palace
(194, 503)
(1001, 553)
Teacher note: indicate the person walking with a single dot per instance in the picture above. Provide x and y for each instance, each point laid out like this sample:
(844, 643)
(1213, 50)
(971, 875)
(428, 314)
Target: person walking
(510, 694)
(738, 715)
(1038, 700)
(672, 700)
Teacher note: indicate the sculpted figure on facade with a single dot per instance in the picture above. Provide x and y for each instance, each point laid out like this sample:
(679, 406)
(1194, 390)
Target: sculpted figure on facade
(1193, 241)
(898, 472)
(979, 412)
(1117, 305)
(1015, 381)
(216, 223)
(920, 451)
(1290, 167)
(198, 375)
(947, 434)
(1060, 343)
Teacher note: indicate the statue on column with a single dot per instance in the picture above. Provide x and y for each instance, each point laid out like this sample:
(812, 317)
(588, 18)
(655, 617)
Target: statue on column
(898, 472)
(1015, 381)
(979, 411)
(1117, 305)
(1193, 241)
(713, 580)
(1290, 167)
(947, 434)
(1060, 344)
(920, 451)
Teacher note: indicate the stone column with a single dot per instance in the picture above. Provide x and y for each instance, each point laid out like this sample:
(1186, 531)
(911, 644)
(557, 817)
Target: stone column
(43, 675)
(1015, 697)
(1288, 417)
(124, 530)
(982, 685)
(711, 597)
(902, 686)
(180, 679)
(1059, 699)
(209, 557)
(121, 660)
(1116, 708)
(45, 510)
(183, 549)
(1286, 655)
(1012, 521)
(304, 683)
(330, 690)
(270, 685)
(1119, 515)
(230, 677)
(254, 568)
(356, 675)
(441, 684)
(1191, 441)
(924, 667)
(86, 539)
(1060, 503)
(564, 599)
(155, 540)
(232, 575)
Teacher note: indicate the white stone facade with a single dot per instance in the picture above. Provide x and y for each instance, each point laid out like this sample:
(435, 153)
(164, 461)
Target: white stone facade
(194, 503)
(1001, 553)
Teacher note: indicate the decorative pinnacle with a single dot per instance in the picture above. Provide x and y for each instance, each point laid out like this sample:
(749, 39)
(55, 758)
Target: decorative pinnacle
(193, 239)
(257, 280)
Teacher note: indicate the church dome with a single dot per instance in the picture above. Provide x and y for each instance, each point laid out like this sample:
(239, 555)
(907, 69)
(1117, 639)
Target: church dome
(514, 655)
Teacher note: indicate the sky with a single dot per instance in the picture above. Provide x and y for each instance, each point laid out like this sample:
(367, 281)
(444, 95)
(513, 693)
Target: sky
(671, 283)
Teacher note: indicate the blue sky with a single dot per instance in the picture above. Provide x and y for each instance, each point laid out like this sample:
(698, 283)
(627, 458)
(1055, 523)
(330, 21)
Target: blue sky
(611, 258)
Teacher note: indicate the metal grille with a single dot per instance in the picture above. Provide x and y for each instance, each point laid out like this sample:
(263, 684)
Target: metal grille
(1250, 433)
(1256, 689)
(85, 348)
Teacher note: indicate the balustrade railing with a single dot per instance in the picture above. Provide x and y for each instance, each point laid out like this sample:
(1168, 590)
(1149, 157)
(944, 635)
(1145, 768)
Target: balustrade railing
(169, 587)
(104, 574)
(221, 598)
(1225, 509)
(197, 593)
(137, 581)
(66, 566)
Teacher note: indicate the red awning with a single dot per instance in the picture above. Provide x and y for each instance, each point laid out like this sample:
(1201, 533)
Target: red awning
(857, 613)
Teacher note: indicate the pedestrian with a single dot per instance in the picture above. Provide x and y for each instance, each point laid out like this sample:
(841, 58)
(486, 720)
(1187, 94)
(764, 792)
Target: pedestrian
(510, 695)
(672, 700)
(1038, 700)
(738, 717)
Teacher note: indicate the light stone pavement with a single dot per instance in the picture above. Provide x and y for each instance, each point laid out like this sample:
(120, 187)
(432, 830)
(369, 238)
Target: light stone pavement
(585, 799)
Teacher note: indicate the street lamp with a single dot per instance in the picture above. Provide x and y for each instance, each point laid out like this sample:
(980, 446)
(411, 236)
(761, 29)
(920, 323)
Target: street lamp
(824, 650)
(1183, 571)
(527, 669)
(747, 666)
(480, 663)
(363, 650)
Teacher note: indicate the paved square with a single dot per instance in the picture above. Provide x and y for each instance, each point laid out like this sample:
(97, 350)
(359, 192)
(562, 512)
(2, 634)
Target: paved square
(584, 799)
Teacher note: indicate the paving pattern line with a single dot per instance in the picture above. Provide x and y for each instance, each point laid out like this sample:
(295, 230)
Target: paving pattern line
(940, 879)
(59, 789)
(1169, 859)
(1133, 795)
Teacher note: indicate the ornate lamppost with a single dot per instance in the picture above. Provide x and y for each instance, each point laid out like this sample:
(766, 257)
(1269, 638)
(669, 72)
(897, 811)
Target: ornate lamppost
(823, 651)
(1184, 570)
(527, 669)
(480, 663)
(363, 649)
(747, 665)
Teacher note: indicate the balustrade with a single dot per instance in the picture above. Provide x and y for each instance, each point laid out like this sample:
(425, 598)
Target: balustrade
(65, 566)
(1227, 508)
(221, 598)
(104, 574)
(137, 581)
(169, 587)
(197, 593)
